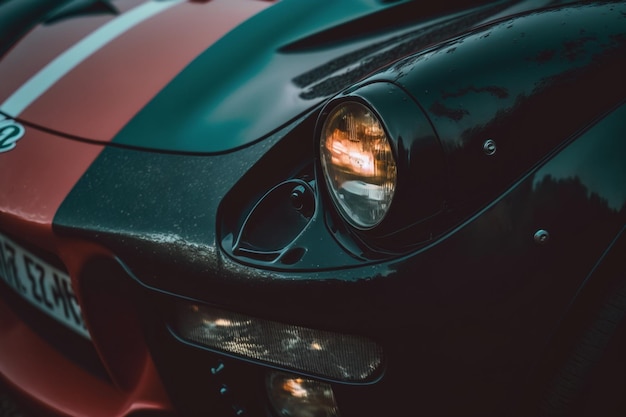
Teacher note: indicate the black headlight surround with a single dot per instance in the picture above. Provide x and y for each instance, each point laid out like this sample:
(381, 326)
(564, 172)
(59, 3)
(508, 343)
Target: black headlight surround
(421, 184)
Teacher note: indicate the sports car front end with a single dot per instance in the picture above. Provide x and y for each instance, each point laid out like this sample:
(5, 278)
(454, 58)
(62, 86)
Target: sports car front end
(355, 208)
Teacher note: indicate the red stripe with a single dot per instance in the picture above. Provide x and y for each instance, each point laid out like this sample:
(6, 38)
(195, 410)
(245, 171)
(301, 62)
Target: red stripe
(46, 42)
(35, 178)
(101, 95)
(96, 100)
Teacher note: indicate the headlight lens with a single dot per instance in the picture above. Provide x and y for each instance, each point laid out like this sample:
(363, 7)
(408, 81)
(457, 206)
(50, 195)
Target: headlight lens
(358, 164)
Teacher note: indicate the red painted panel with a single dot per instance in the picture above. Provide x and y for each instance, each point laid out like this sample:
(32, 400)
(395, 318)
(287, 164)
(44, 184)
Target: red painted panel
(35, 178)
(97, 98)
(46, 42)
(54, 384)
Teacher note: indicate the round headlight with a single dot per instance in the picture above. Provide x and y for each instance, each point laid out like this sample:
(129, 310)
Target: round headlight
(358, 164)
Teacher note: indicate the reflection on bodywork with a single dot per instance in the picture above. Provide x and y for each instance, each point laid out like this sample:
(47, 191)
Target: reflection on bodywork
(347, 69)
(594, 161)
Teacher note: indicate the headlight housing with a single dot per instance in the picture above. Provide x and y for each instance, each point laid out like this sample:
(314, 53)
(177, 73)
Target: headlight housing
(358, 164)
(383, 167)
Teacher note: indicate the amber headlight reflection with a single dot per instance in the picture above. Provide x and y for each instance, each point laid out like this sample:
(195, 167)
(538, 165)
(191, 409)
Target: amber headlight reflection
(331, 355)
(294, 396)
(358, 164)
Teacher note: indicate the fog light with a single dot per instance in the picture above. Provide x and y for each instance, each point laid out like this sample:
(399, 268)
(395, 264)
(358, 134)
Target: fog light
(294, 396)
(332, 355)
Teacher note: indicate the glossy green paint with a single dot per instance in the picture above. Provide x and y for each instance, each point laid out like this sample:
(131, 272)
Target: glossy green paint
(280, 64)
(209, 107)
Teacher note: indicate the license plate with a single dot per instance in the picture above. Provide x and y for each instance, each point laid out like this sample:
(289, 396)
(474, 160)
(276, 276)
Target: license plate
(44, 286)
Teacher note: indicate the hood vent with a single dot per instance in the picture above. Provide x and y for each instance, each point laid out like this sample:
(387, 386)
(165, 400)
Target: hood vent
(77, 8)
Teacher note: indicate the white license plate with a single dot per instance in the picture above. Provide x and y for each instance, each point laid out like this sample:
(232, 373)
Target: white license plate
(44, 286)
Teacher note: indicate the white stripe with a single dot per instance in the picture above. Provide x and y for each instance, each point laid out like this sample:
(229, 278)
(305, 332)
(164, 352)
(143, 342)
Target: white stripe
(68, 60)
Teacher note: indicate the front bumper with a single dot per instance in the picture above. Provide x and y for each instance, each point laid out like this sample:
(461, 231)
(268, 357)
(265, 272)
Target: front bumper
(47, 381)
(468, 315)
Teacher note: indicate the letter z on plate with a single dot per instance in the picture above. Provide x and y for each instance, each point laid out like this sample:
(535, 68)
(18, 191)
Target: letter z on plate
(44, 286)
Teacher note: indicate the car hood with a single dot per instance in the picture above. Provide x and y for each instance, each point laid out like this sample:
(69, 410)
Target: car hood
(207, 76)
